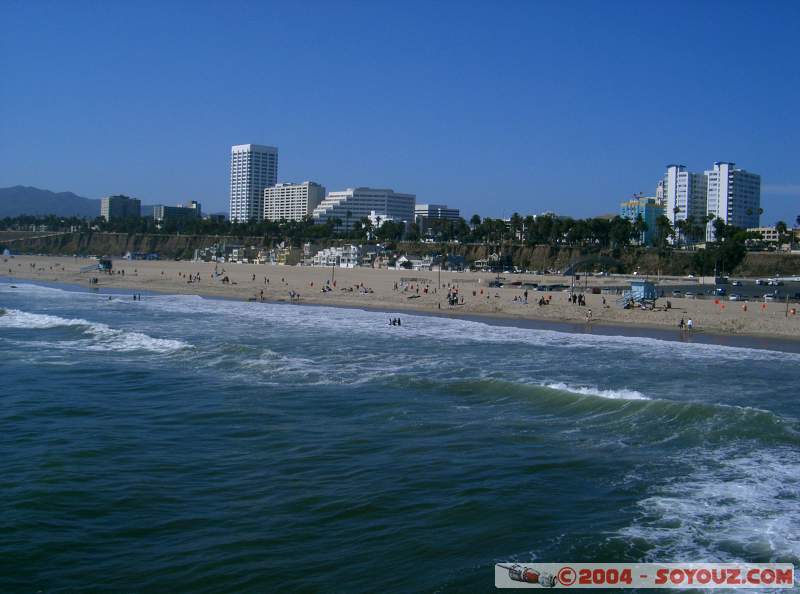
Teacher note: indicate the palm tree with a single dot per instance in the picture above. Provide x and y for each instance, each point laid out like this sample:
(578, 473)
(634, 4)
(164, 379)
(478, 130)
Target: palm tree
(781, 228)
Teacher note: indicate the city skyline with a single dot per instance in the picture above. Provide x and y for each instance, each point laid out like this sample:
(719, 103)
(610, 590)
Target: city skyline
(557, 114)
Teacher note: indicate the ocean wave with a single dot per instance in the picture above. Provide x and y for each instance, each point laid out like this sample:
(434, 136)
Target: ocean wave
(373, 324)
(732, 505)
(103, 337)
(621, 394)
(370, 325)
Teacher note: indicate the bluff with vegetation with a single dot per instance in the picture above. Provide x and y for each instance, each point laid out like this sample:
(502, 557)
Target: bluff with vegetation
(728, 259)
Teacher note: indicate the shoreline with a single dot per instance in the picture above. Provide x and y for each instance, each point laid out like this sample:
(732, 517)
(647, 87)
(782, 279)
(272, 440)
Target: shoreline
(416, 292)
(753, 341)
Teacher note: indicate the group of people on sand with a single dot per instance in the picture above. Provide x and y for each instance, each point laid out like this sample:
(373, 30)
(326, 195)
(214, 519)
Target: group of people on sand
(577, 299)
(395, 322)
(190, 278)
(453, 298)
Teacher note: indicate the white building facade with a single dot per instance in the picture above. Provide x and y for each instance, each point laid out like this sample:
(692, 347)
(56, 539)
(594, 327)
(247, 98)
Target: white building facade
(346, 256)
(353, 204)
(734, 196)
(292, 202)
(254, 167)
(437, 211)
(684, 194)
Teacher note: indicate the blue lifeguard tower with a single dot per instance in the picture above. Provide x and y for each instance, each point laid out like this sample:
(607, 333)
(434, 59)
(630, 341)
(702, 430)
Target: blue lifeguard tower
(642, 292)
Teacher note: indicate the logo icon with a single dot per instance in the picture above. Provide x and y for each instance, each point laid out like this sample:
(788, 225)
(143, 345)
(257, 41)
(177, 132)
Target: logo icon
(528, 575)
(567, 575)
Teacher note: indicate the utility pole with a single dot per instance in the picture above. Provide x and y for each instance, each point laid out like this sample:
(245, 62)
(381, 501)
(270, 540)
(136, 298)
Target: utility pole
(439, 288)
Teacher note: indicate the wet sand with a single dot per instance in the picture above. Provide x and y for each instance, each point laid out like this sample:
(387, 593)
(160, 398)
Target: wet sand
(417, 291)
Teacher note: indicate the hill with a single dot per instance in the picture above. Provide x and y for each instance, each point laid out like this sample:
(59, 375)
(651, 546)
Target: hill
(20, 200)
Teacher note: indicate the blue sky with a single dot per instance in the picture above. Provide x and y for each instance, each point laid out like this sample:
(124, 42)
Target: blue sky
(493, 107)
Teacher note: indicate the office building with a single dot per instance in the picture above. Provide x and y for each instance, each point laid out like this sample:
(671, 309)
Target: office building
(292, 202)
(253, 168)
(734, 196)
(120, 207)
(216, 217)
(175, 214)
(649, 208)
(768, 234)
(425, 214)
(354, 204)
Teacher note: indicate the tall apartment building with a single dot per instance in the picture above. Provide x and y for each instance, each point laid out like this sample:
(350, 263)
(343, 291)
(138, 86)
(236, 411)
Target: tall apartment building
(734, 196)
(292, 202)
(120, 207)
(253, 168)
(353, 204)
(684, 194)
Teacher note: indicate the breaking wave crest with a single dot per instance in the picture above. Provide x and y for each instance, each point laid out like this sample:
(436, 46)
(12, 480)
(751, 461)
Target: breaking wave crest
(621, 394)
(101, 337)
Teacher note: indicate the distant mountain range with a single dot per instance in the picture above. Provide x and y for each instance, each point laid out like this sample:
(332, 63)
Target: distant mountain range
(27, 200)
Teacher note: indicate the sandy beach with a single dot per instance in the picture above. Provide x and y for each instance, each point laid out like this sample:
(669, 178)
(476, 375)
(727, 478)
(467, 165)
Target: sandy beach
(411, 290)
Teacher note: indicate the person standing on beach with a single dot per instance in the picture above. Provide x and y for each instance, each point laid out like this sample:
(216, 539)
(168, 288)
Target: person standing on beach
(689, 324)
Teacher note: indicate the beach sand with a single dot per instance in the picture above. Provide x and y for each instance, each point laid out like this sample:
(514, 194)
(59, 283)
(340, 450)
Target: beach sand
(723, 317)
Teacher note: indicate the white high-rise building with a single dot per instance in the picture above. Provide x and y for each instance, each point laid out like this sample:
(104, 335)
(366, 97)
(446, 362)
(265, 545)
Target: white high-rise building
(253, 168)
(684, 194)
(353, 204)
(292, 202)
(734, 196)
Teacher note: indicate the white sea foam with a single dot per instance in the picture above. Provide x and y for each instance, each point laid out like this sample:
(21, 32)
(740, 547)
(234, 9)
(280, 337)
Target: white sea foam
(621, 394)
(731, 506)
(101, 336)
(371, 324)
(368, 325)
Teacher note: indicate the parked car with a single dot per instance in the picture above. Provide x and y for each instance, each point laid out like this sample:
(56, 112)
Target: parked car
(735, 297)
(690, 295)
(761, 281)
(720, 291)
(736, 283)
(677, 293)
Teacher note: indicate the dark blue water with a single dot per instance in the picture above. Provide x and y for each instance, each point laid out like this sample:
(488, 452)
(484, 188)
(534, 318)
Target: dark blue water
(184, 444)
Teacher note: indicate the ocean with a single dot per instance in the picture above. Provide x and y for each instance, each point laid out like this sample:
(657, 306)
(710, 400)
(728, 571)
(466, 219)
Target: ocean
(180, 444)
